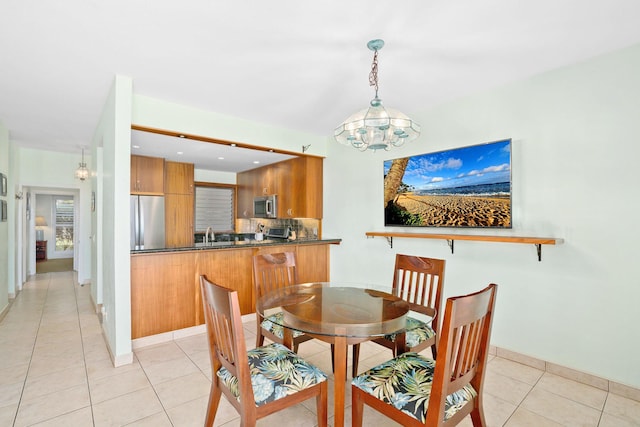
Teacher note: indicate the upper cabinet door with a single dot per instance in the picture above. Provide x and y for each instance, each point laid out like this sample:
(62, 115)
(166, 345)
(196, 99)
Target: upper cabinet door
(178, 178)
(300, 186)
(147, 175)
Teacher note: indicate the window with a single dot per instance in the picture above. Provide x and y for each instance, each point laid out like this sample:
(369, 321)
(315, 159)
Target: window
(63, 215)
(214, 208)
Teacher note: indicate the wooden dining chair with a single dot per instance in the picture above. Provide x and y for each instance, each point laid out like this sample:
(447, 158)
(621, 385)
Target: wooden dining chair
(257, 382)
(417, 391)
(419, 281)
(272, 272)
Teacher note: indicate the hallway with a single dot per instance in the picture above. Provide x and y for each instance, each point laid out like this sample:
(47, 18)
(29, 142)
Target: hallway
(55, 370)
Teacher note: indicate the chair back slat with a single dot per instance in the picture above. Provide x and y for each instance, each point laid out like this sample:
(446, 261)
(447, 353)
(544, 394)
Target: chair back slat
(419, 281)
(274, 271)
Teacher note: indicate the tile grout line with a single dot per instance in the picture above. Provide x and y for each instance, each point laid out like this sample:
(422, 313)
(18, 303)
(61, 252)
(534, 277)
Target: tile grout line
(155, 391)
(84, 356)
(33, 348)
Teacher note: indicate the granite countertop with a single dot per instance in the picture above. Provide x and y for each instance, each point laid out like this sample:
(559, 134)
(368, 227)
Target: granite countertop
(239, 244)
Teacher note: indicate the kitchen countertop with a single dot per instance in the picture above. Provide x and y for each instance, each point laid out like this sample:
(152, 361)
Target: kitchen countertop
(239, 244)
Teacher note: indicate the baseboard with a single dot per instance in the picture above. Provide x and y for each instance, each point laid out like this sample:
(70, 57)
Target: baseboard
(5, 310)
(11, 298)
(120, 360)
(165, 337)
(569, 373)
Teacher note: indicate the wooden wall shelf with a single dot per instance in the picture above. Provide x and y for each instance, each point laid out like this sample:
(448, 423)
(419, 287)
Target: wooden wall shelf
(450, 238)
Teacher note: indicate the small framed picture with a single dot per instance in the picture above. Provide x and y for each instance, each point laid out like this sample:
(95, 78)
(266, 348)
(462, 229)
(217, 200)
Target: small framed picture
(3, 210)
(3, 184)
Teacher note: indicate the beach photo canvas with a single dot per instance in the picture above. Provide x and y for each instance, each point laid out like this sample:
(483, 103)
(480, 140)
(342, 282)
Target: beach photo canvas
(462, 187)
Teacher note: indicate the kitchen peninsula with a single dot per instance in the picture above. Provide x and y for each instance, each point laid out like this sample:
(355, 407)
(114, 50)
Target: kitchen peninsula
(165, 290)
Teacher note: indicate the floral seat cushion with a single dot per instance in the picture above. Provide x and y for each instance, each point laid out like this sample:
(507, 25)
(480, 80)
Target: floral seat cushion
(405, 382)
(276, 372)
(273, 324)
(417, 332)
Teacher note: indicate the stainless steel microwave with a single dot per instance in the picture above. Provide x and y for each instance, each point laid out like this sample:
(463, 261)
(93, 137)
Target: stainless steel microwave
(265, 206)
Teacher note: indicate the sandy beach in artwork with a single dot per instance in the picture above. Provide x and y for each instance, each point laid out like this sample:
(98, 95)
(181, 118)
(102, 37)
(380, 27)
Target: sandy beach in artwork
(458, 211)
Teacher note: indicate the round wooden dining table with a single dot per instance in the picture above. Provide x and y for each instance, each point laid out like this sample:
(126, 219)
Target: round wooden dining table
(338, 313)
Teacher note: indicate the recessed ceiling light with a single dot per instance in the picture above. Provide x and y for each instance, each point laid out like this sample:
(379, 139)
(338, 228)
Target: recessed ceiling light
(220, 158)
(181, 136)
(233, 145)
(255, 162)
(136, 146)
(180, 153)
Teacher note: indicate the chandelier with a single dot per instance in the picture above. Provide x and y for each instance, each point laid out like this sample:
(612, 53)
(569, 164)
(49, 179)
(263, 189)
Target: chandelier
(82, 172)
(376, 127)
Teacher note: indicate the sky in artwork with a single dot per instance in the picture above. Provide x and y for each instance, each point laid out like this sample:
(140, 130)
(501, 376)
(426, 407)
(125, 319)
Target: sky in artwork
(467, 166)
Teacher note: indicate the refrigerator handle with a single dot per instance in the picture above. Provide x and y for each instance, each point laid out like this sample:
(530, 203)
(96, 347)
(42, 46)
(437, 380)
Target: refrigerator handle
(141, 219)
(136, 224)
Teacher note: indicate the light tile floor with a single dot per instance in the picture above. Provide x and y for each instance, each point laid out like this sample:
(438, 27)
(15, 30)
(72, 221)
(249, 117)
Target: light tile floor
(55, 371)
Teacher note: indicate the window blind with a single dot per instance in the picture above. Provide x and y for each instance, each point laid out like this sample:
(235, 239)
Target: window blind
(214, 208)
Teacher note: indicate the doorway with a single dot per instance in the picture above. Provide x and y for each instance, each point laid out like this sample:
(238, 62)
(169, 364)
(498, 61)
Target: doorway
(55, 230)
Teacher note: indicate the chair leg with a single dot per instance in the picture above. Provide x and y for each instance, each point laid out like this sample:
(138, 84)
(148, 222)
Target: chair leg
(354, 361)
(477, 418)
(433, 351)
(214, 400)
(295, 346)
(259, 338)
(357, 407)
(321, 405)
(333, 364)
(477, 415)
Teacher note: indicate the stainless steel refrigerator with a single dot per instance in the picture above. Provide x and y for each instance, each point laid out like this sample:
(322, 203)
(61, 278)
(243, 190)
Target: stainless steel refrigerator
(147, 222)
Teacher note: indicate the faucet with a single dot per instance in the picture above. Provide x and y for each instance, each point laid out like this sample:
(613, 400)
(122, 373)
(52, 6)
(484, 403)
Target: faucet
(206, 235)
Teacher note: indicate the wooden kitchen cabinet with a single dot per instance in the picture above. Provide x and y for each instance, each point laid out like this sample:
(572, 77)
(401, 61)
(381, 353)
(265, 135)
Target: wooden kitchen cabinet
(267, 180)
(178, 177)
(162, 293)
(178, 204)
(178, 220)
(231, 269)
(245, 194)
(297, 182)
(147, 175)
(300, 185)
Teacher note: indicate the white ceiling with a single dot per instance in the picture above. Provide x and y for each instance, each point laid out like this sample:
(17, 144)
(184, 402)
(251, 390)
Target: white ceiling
(290, 63)
(204, 155)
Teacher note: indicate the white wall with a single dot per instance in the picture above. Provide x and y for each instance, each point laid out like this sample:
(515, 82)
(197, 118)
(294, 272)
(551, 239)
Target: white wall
(155, 113)
(46, 171)
(576, 134)
(4, 226)
(218, 177)
(113, 137)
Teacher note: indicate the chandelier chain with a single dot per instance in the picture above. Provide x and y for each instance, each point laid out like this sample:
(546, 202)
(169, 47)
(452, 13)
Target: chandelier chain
(373, 75)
